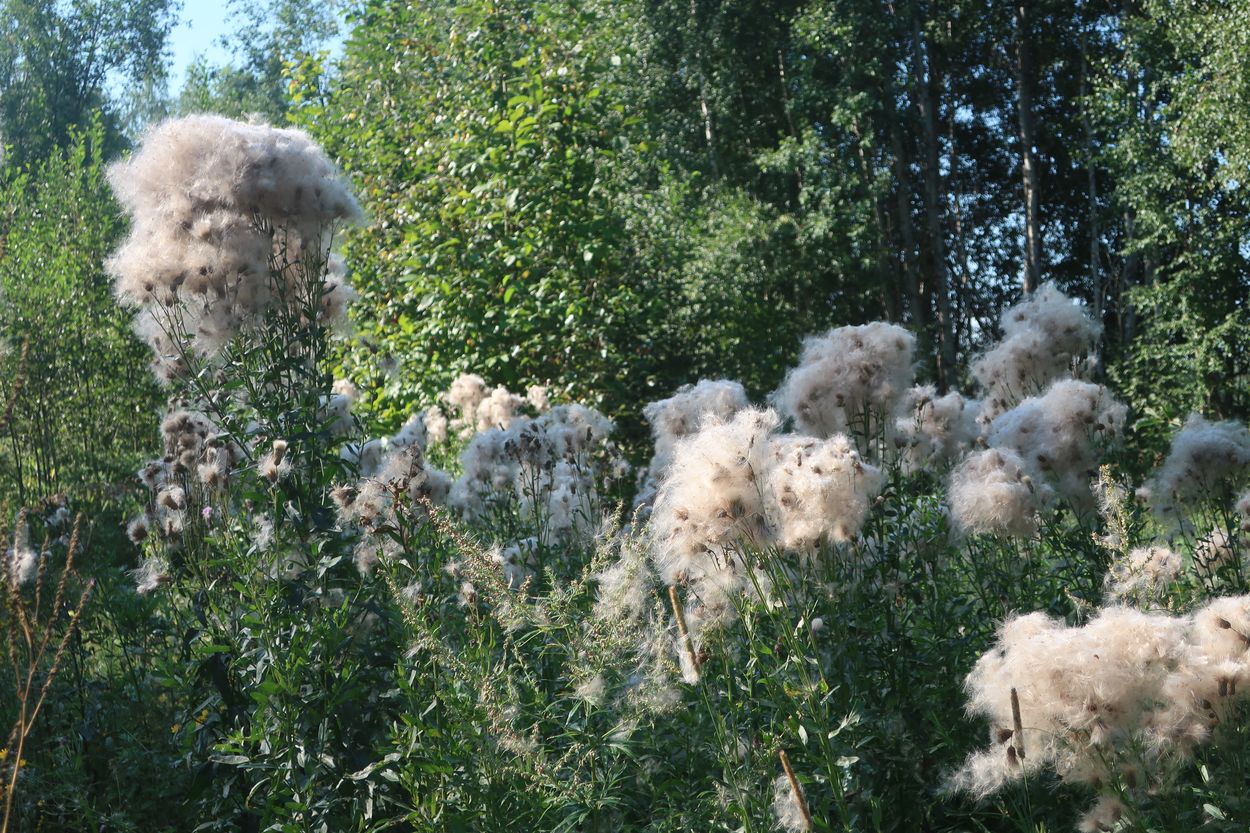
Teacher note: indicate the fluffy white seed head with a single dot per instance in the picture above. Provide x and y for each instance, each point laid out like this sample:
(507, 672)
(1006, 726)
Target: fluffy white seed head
(1204, 455)
(1043, 336)
(735, 486)
(817, 490)
(711, 504)
(498, 409)
(681, 415)
(21, 560)
(536, 396)
(1081, 690)
(547, 466)
(849, 380)
(463, 398)
(933, 431)
(996, 492)
(1095, 702)
(1061, 433)
(1143, 576)
(219, 208)
(786, 807)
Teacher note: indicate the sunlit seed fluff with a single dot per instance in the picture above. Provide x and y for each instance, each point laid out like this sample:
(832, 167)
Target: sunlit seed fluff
(463, 398)
(517, 562)
(21, 559)
(150, 575)
(817, 490)
(1042, 337)
(498, 409)
(1203, 455)
(366, 456)
(172, 497)
(1103, 816)
(403, 471)
(275, 465)
(538, 399)
(436, 425)
(486, 469)
(1214, 552)
(932, 431)
(995, 492)
(1060, 434)
(681, 415)
(593, 690)
(1142, 576)
(335, 413)
(545, 467)
(849, 380)
(412, 432)
(626, 586)
(786, 807)
(1082, 691)
(215, 207)
(137, 529)
(711, 504)
(735, 487)
(1099, 702)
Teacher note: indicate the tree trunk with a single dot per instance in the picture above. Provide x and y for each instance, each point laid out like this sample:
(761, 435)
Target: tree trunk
(1028, 157)
(1098, 288)
(708, 134)
(916, 297)
(924, 87)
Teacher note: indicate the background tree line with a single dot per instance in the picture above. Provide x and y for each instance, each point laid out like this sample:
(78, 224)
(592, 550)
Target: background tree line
(618, 198)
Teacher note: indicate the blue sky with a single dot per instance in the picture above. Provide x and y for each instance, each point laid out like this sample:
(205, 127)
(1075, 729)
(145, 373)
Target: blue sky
(203, 24)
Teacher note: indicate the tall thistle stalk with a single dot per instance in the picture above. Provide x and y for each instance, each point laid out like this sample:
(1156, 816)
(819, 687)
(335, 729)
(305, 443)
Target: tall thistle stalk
(37, 636)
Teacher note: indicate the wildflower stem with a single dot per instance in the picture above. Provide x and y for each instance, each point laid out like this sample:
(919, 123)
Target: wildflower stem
(680, 615)
(799, 798)
(1017, 734)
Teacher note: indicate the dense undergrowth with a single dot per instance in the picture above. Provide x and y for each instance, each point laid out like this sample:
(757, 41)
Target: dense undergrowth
(863, 605)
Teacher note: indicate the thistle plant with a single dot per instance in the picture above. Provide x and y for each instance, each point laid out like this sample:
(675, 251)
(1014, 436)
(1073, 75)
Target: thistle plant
(230, 266)
(39, 614)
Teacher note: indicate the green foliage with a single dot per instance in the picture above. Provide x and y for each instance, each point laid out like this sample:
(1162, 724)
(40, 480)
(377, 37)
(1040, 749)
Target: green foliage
(1176, 105)
(512, 256)
(87, 405)
(270, 42)
(613, 198)
(59, 63)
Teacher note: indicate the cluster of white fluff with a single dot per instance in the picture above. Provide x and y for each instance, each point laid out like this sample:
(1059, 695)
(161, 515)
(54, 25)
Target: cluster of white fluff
(1214, 552)
(1203, 455)
(21, 560)
(735, 485)
(334, 412)
(1143, 576)
(1115, 698)
(1061, 432)
(849, 380)
(931, 431)
(681, 415)
(227, 221)
(197, 456)
(475, 407)
(548, 466)
(404, 480)
(787, 808)
(199, 464)
(1043, 336)
(996, 492)
(817, 490)
(368, 456)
